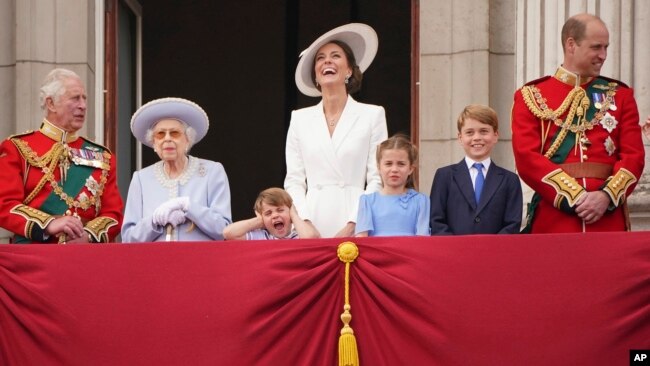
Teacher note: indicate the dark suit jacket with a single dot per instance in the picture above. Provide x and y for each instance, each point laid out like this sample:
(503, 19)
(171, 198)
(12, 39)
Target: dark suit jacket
(453, 206)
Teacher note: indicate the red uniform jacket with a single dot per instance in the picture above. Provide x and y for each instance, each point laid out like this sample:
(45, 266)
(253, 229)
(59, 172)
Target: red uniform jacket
(602, 150)
(34, 193)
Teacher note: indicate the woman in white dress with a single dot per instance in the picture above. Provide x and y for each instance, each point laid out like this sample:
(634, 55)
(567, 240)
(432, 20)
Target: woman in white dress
(181, 197)
(330, 150)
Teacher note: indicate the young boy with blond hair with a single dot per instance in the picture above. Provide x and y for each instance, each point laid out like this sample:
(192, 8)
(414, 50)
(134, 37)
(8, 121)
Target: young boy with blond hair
(275, 218)
(475, 196)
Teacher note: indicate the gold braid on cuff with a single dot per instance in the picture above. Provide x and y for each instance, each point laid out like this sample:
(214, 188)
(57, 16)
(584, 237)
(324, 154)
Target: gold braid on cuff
(98, 228)
(33, 217)
(566, 187)
(618, 184)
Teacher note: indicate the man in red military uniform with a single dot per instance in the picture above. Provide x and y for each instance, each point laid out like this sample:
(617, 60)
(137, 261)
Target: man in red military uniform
(576, 138)
(59, 187)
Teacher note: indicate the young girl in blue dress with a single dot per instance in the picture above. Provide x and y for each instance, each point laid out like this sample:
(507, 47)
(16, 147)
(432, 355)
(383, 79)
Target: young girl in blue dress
(398, 209)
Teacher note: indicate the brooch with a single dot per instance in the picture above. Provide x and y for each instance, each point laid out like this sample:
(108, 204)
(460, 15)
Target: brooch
(609, 146)
(608, 122)
(92, 185)
(83, 197)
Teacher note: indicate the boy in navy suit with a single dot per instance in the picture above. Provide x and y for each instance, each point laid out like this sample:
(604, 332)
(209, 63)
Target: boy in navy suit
(475, 196)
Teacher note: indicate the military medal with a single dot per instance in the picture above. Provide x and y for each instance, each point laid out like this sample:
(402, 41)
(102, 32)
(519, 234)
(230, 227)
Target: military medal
(83, 197)
(611, 103)
(609, 146)
(92, 185)
(608, 122)
(89, 157)
(598, 100)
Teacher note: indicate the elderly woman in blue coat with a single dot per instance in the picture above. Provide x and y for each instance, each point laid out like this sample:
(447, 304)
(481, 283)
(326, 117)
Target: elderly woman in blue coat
(181, 197)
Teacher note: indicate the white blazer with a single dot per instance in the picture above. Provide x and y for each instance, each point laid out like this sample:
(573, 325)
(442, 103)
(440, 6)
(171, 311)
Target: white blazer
(327, 175)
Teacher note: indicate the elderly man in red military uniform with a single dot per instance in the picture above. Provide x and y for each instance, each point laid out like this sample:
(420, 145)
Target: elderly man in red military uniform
(576, 138)
(59, 187)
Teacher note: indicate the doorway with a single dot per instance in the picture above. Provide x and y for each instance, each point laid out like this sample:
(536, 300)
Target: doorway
(237, 61)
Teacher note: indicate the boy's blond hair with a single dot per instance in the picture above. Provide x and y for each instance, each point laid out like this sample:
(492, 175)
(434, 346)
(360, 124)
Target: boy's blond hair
(481, 113)
(273, 196)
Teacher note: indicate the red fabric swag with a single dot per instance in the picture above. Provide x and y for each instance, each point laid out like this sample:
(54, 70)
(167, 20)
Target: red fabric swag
(570, 299)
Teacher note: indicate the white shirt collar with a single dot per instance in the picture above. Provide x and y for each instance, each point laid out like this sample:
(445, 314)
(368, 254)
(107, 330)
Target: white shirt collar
(486, 163)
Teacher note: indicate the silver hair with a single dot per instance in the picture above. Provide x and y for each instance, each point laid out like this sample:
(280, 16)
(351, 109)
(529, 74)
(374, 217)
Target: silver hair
(53, 86)
(189, 132)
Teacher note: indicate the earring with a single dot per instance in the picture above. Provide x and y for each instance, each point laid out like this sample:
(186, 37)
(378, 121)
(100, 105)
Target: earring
(347, 79)
(317, 84)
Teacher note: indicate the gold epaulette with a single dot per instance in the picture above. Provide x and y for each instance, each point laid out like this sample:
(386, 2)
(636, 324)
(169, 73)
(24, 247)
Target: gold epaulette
(576, 103)
(26, 133)
(618, 184)
(52, 156)
(98, 228)
(610, 80)
(566, 187)
(537, 81)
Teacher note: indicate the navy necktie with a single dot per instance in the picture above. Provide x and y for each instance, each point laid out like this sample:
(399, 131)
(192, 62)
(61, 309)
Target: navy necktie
(480, 179)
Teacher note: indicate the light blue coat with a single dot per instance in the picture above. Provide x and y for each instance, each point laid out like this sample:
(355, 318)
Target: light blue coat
(206, 184)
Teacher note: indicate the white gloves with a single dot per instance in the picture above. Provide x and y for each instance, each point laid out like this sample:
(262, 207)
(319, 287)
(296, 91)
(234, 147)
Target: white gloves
(171, 212)
(176, 218)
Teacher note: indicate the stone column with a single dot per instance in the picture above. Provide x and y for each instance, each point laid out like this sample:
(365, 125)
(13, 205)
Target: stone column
(7, 68)
(52, 34)
(467, 56)
(640, 57)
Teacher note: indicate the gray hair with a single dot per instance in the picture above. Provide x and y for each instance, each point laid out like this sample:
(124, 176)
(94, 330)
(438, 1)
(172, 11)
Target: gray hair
(190, 133)
(53, 86)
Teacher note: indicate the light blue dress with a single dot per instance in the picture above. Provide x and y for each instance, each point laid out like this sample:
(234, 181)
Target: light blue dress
(204, 182)
(394, 215)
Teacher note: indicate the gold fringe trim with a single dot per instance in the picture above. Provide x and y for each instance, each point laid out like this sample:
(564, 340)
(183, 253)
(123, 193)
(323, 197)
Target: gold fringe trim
(47, 163)
(577, 102)
(348, 353)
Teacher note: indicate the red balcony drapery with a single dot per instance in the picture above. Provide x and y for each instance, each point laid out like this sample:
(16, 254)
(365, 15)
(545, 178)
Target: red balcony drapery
(578, 299)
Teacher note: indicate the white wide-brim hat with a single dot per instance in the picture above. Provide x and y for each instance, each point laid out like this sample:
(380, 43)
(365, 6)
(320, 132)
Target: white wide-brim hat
(169, 108)
(361, 38)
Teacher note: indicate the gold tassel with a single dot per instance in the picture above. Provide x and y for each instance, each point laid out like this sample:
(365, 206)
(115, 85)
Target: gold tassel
(348, 354)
